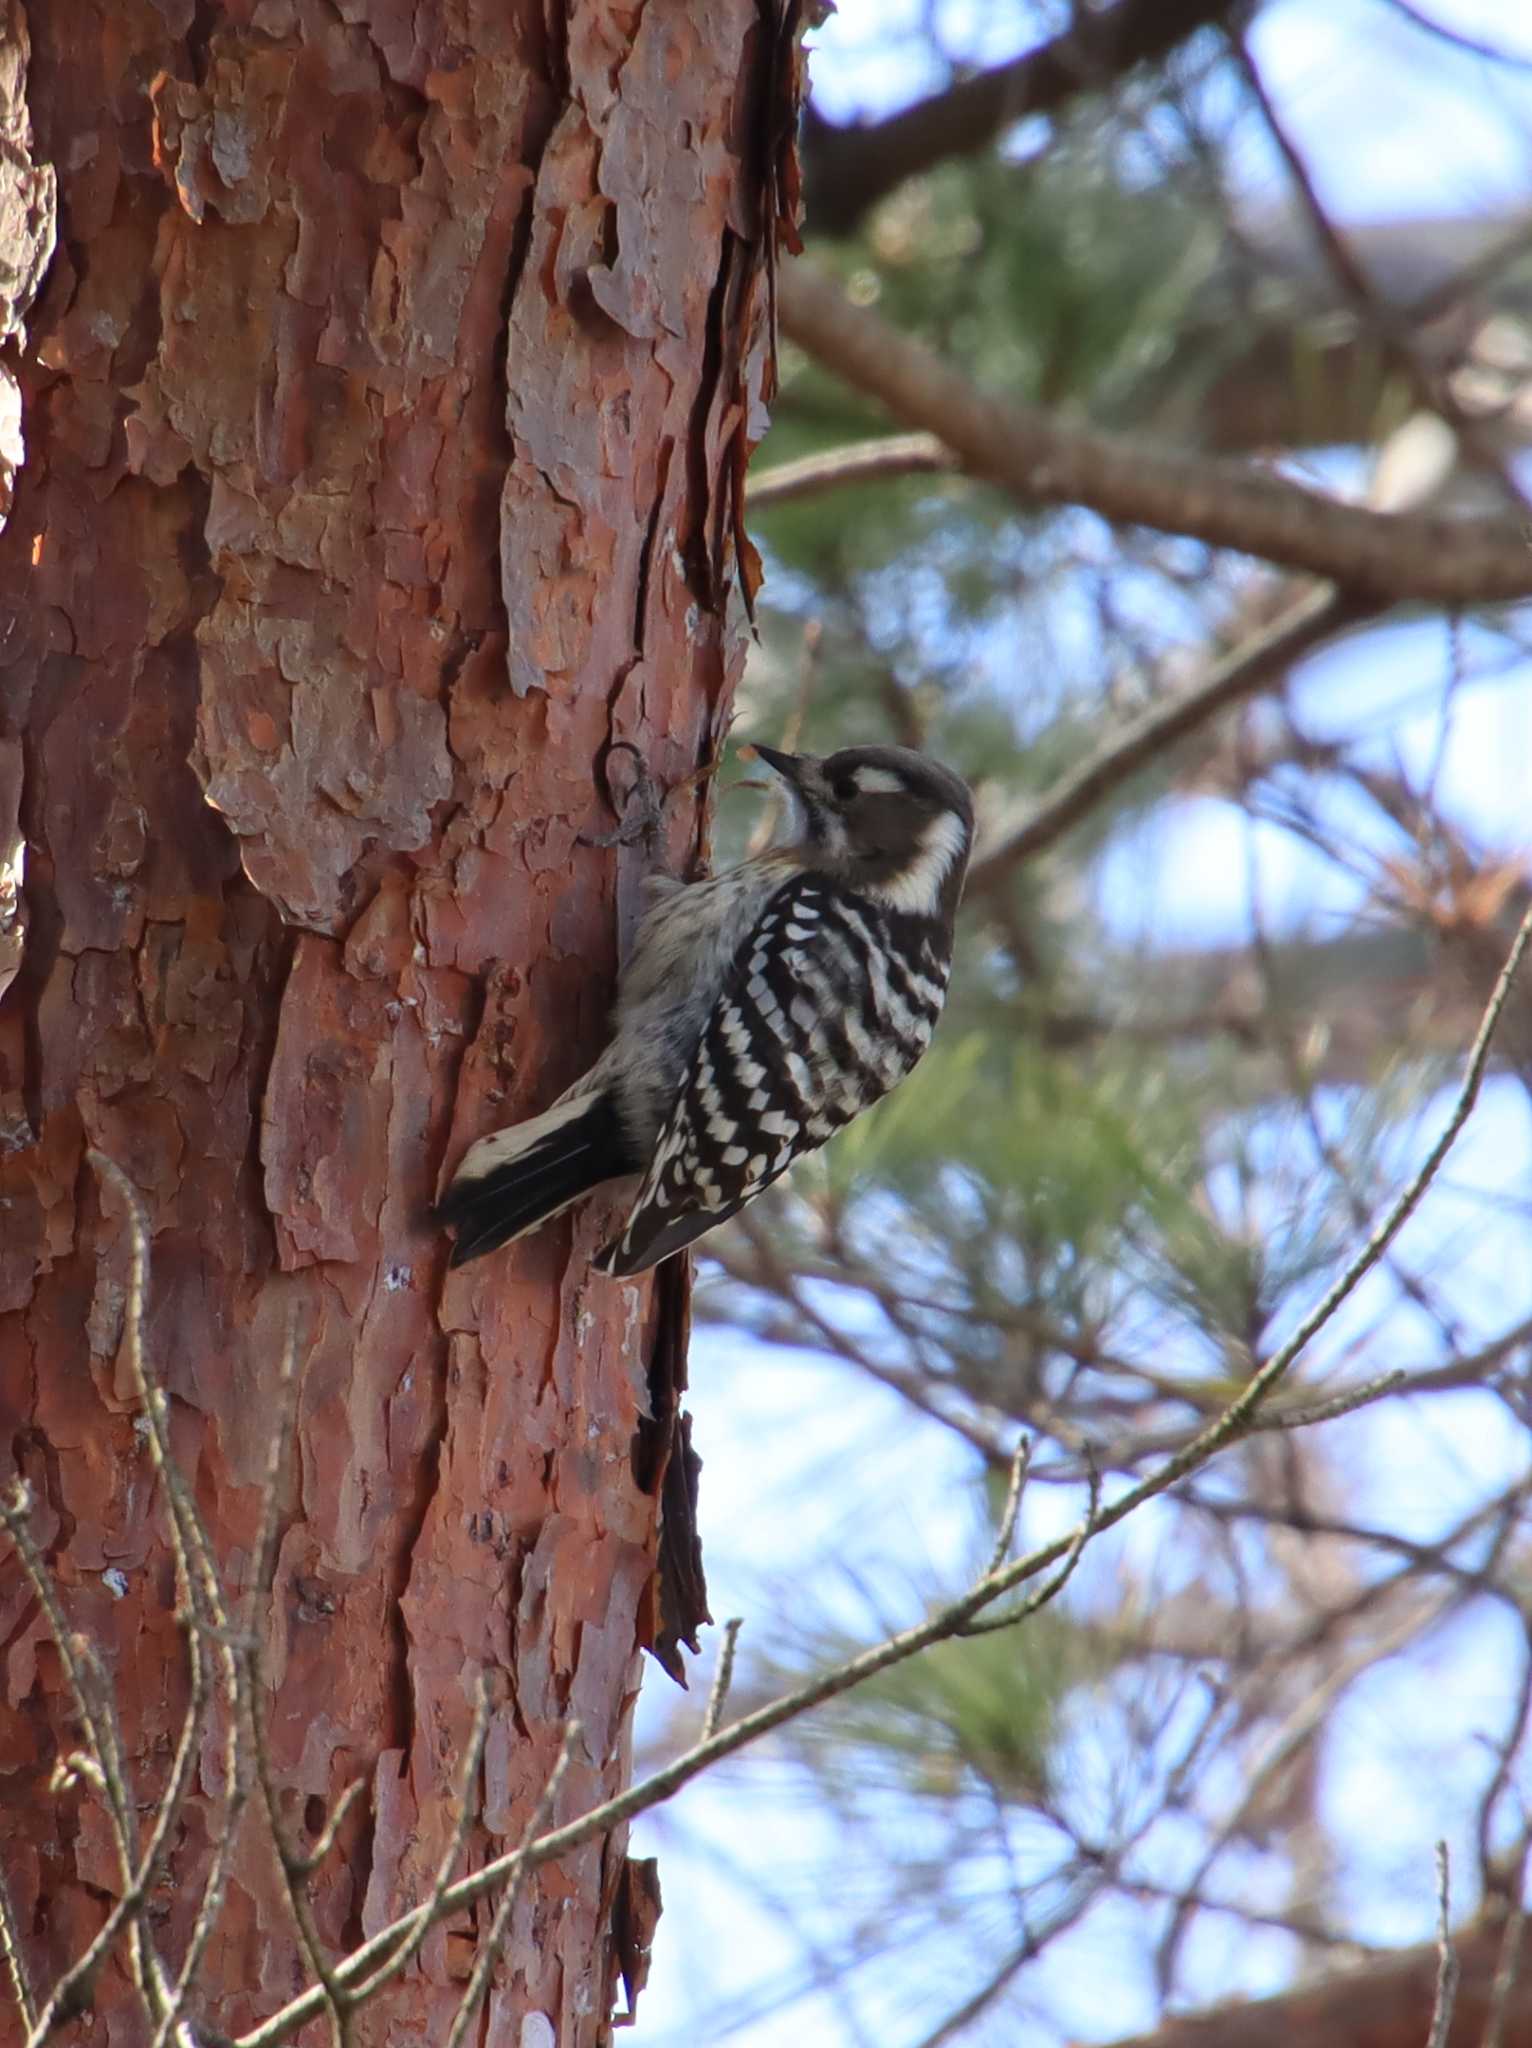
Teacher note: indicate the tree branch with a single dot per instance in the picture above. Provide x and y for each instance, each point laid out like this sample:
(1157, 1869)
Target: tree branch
(848, 169)
(1042, 460)
(1456, 39)
(1385, 2003)
(1377, 318)
(1447, 1962)
(861, 462)
(1316, 616)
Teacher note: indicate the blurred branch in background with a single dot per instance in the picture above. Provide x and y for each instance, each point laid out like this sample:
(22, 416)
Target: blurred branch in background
(850, 168)
(1045, 461)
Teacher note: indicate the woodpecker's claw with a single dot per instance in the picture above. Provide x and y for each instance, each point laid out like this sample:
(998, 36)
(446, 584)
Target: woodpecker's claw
(646, 806)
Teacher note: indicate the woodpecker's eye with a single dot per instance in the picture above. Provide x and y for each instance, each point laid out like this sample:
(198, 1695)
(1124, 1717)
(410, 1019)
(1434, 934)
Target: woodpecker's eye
(844, 788)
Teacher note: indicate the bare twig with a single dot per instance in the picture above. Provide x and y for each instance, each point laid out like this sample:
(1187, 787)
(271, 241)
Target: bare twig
(1430, 1559)
(15, 1510)
(101, 1735)
(663, 1784)
(1507, 1969)
(358, 1976)
(15, 1960)
(1507, 1750)
(1255, 665)
(1458, 39)
(132, 1901)
(1378, 318)
(1069, 1910)
(1447, 1962)
(1005, 1534)
(188, 1539)
(1050, 1588)
(1287, 1743)
(852, 167)
(107, 1772)
(723, 1677)
(862, 462)
(201, 1590)
(393, 1949)
(1237, 1417)
(1302, 1415)
(493, 1939)
(296, 1868)
(325, 1840)
(1041, 459)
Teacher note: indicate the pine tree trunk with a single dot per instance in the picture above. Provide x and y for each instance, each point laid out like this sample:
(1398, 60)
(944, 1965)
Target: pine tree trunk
(385, 408)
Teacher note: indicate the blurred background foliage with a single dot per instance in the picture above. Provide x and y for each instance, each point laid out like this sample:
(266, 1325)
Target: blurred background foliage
(1191, 1050)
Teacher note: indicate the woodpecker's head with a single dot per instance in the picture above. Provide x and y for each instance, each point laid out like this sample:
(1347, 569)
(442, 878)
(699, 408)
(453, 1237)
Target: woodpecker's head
(894, 824)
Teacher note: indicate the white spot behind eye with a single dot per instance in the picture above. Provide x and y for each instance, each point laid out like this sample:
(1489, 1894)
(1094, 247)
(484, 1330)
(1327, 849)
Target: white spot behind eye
(918, 887)
(878, 782)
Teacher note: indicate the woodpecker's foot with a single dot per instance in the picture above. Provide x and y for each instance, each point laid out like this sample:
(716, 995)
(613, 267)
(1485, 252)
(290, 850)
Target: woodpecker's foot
(639, 808)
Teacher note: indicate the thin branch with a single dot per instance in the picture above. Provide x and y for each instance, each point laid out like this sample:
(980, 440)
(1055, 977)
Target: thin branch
(201, 1590)
(1237, 1417)
(1432, 1559)
(1303, 1415)
(325, 1841)
(1254, 665)
(1377, 317)
(1043, 460)
(1005, 1534)
(1050, 1588)
(1070, 1909)
(862, 462)
(295, 1868)
(15, 1960)
(850, 168)
(15, 1510)
(1457, 39)
(663, 1784)
(189, 1540)
(493, 1940)
(106, 1772)
(398, 1943)
(131, 1901)
(1286, 1743)
(1507, 1969)
(202, 1608)
(723, 1677)
(1447, 1962)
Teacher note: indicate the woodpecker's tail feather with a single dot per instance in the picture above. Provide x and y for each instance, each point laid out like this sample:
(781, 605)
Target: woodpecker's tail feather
(528, 1173)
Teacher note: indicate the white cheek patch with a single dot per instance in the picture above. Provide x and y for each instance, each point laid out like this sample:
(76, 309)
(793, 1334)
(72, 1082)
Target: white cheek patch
(878, 782)
(917, 891)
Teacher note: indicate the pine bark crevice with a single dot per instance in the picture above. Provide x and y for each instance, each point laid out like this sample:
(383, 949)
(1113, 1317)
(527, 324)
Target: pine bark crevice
(381, 406)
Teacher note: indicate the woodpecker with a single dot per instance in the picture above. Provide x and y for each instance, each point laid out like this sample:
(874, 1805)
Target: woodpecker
(760, 1012)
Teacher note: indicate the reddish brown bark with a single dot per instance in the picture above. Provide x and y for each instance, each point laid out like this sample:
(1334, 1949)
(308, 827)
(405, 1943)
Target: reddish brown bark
(384, 411)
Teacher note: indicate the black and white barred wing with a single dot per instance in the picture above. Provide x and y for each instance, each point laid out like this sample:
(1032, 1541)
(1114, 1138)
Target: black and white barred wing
(830, 1002)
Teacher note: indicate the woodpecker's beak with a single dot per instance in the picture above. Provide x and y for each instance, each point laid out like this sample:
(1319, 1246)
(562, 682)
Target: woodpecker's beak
(789, 766)
(808, 814)
(799, 771)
